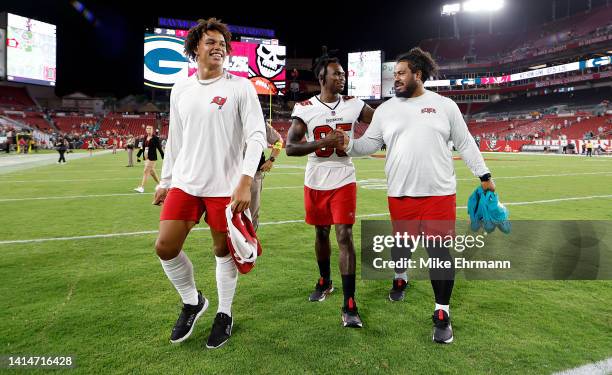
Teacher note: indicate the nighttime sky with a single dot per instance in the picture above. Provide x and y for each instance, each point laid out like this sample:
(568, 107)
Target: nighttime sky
(107, 59)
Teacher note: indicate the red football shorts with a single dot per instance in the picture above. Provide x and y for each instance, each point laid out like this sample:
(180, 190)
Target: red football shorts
(430, 215)
(179, 205)
(327, 207)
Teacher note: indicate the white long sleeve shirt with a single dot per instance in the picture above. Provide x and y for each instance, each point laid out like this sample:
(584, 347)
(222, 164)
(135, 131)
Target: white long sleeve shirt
(416, 132)
(210, 122)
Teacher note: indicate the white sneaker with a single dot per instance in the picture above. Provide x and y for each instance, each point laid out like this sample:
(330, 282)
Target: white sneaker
(139, 189)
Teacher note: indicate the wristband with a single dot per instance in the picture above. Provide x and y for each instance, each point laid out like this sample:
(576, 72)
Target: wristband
(485, 177)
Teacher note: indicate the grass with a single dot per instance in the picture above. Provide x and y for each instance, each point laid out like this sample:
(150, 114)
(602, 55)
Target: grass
(107, 302)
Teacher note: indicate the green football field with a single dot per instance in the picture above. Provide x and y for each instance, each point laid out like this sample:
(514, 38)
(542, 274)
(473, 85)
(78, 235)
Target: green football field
(91, 286)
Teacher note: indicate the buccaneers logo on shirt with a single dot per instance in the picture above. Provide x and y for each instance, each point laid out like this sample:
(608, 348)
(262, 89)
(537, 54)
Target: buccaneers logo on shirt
(428, 110)
(219, 101)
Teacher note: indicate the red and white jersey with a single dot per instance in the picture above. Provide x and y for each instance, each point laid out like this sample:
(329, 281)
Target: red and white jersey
(328, 168)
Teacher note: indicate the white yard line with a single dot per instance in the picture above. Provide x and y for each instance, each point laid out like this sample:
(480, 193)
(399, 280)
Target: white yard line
(149, 194)
(542, 175)
(548, 155)
(378, 184)
(603, 367)
(108, 235)
(15, 163)
(68, 197)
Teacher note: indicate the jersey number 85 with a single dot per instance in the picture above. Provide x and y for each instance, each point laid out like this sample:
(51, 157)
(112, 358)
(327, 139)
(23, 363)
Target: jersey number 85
(321, 131)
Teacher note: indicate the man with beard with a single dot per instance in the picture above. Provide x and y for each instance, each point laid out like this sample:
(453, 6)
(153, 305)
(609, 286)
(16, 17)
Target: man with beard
(330, 191)
(416, 126)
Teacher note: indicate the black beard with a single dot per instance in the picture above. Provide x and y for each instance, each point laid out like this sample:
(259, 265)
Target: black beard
(406, 93)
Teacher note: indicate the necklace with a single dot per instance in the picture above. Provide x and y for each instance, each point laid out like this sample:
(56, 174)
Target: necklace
(208, 82)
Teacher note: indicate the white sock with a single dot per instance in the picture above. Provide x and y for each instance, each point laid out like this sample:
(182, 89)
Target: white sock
(443, 307)
(402, 275)
(180, 273)
(227, 278)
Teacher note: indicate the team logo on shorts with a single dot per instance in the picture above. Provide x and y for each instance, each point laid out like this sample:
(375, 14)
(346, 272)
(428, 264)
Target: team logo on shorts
(219, 101)
(428, 110)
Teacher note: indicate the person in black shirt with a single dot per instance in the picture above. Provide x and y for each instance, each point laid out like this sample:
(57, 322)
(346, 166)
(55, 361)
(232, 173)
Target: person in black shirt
(61, 145)
(150, 145)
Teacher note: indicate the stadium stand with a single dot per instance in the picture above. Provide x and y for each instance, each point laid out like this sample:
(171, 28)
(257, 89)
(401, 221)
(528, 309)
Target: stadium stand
(552, 101)
(15, 98)
(70, 123)
(122, 124)
(486, 47)
(33, 119)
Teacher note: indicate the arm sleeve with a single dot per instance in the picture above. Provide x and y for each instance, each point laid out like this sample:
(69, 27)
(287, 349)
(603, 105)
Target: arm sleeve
(464, 142)
(174, 143)
(370, 142)
(253, 125)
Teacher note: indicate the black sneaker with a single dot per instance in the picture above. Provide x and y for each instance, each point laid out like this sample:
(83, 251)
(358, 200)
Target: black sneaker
(397, 292)
(322, 290)
(187, 320)
(442, 331)
(350, 315)
(221, 331)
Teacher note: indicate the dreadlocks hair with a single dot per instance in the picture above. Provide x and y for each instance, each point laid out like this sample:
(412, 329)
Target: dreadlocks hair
(320, 66)
(195, 34)
(418, 59)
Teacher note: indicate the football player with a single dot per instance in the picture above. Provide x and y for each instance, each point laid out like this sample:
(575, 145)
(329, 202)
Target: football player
(329, 186)
(416, 125)
(212, 115)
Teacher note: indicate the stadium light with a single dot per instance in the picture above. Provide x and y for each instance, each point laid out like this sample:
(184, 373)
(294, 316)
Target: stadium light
(483, 5)
(450, 9)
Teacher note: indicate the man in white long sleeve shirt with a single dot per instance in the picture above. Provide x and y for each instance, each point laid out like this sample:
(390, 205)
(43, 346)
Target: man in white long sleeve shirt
(212, 115)
(416, 126)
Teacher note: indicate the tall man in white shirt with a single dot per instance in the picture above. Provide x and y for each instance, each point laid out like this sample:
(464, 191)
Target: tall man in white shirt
(416, 126)
(330, 191)
(212, 115)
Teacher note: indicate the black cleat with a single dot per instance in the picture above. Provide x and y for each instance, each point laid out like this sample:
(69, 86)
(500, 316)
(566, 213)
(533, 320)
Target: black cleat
(322, 290)
(442, 331)
(221, 331)
(397, 292)
(350, 315)
(187, 320)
